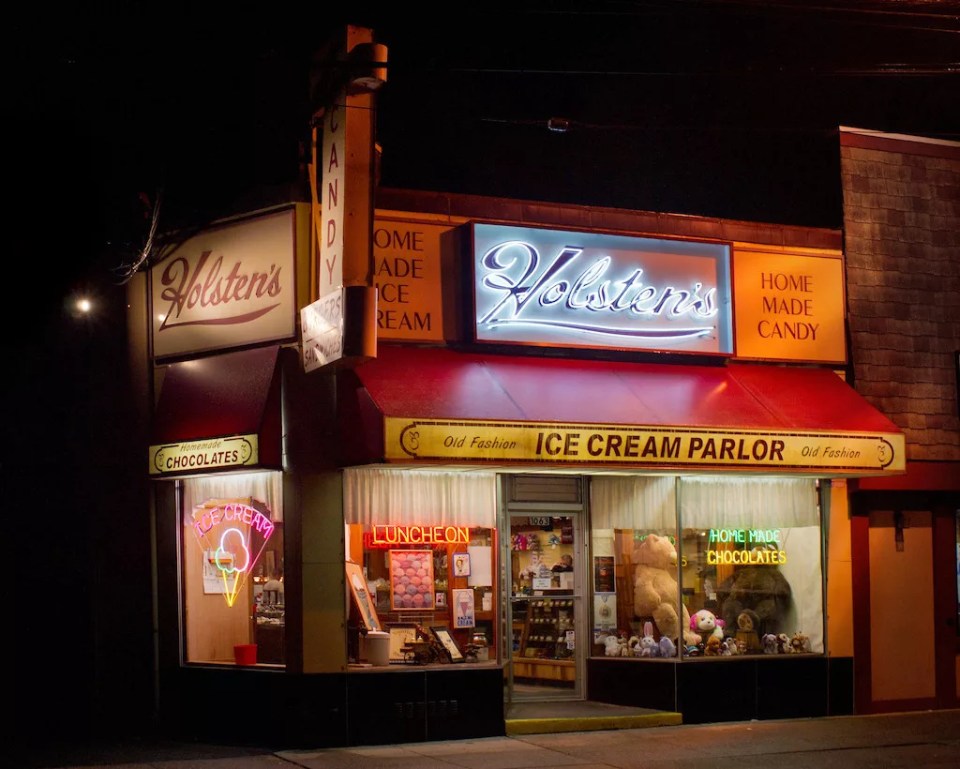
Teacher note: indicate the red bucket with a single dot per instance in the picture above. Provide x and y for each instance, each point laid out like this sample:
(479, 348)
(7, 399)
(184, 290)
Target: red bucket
(245, 654)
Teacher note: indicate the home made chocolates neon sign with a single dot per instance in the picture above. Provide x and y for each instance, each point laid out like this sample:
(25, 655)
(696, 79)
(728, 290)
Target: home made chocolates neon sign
(563, 288)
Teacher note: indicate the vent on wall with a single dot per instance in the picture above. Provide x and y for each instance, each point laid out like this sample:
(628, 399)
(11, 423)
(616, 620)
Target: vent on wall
(545, 488)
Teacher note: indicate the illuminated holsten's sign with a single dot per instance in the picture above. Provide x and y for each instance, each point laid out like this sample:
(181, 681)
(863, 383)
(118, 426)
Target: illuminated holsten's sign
(390, 535)
(580, 289)
(641, 446)
(232, 537)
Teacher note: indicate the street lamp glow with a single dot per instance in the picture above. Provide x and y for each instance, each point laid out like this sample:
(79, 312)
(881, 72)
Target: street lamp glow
(84, 305)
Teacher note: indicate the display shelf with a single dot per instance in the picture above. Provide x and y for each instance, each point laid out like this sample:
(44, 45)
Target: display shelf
(544, 670)
(543, 651)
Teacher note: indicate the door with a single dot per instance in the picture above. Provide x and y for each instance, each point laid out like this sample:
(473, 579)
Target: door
(545, 632)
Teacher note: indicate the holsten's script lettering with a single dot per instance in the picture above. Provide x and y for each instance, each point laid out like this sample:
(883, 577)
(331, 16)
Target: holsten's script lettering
(210, 284)
(583, 292)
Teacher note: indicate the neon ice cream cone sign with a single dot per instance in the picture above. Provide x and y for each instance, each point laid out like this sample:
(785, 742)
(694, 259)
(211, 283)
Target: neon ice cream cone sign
(232, 536)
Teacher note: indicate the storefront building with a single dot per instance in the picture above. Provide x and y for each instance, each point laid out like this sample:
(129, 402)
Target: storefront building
(594, 454)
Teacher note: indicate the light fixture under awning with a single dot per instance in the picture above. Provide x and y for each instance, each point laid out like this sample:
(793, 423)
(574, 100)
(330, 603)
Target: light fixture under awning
(438, 405)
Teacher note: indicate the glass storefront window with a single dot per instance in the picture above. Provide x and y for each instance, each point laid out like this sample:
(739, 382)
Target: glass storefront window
(426, 545)
(752, 549)
(636, 606)
(745, 570)
(232, 562)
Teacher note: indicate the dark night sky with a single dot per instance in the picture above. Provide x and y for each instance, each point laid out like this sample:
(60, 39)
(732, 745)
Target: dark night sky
(715, 108)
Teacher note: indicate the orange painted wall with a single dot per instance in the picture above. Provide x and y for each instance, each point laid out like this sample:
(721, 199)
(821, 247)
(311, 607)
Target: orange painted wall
(901, 608)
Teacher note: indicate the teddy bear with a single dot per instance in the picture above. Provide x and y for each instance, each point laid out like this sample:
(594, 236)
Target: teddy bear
(760, 588)
(656, 594)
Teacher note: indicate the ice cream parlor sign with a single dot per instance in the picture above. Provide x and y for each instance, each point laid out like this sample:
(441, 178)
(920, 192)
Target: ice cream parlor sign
(232, 536)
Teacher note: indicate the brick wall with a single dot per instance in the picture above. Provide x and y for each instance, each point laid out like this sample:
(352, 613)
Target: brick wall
(901, 200)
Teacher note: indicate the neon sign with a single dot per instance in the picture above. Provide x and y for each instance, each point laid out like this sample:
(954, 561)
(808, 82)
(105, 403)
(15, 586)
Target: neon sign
(390, 535)
(563, 288)
(232, 537)
(764, 543)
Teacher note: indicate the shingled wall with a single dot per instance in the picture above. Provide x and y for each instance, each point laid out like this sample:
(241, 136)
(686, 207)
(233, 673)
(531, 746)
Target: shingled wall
(901, 200)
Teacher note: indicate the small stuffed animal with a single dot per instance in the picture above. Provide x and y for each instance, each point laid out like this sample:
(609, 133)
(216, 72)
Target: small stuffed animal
(769, 643)
(731, 647)
(799, 644)
(712, 647)
(667, 647)
(748, 624)
(611, 646)
(647, 646)
(783, 643)
(705, 624)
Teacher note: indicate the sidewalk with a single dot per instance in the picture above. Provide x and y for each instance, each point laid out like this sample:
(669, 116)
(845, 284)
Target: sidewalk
(929, 739)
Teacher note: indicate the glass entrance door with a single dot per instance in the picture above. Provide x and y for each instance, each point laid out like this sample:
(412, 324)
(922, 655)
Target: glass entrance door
(545, 633)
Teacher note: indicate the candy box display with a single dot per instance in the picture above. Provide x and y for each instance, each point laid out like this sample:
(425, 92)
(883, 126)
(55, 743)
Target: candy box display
(411, 579)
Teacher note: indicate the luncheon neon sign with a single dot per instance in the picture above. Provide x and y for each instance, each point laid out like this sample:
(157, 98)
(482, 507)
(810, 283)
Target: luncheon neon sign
(232, 537)
(592, 290)
(389, 535)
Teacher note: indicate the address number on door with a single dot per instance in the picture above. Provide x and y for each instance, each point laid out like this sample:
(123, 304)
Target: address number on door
(540, 520)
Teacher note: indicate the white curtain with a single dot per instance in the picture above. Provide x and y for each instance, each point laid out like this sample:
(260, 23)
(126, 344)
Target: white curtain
(266, 487)
(388, 496)
(633, 502)
(712, 503)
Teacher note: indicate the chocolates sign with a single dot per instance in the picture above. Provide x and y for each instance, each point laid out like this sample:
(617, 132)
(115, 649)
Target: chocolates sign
(230, 285)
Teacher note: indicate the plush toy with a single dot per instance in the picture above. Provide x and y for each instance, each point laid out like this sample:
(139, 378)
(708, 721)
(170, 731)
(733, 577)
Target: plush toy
(747, 624)
(783, 643)
(799, 643)
(761, 588)
(655, 591)
(732, 647)
(667, 647)
(706, 624)
(769, 641)
(712, 647)
(611, 646)
(647, 645)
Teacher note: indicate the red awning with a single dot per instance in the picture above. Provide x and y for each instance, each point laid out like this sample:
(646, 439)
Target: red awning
(438, 388)
(235, 394)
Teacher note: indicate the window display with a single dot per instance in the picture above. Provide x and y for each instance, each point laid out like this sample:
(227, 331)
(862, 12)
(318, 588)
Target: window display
(426, 542)
(232, 560)
(744, 576)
